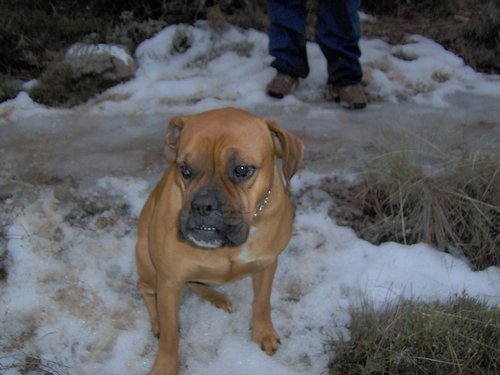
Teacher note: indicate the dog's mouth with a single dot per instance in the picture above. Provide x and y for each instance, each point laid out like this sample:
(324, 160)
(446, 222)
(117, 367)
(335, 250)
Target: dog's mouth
(207, 222)
(208, 236)
(205, 236)
(206, 228)
(200, 239)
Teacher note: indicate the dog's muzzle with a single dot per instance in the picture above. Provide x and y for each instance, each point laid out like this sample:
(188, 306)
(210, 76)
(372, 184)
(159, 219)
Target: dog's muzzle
(208, 222)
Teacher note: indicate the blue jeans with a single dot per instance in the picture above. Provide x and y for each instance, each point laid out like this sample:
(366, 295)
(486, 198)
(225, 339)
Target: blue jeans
(337, 34)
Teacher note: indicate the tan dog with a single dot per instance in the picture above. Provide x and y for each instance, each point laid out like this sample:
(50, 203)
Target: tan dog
(220, 212)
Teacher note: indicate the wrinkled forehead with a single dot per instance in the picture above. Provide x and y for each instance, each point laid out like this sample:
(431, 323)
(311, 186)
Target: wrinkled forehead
(227, 135)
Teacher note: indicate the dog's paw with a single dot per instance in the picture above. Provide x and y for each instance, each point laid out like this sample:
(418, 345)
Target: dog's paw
(164, 367)
(268, 340)
(216, 298)
(220, 301)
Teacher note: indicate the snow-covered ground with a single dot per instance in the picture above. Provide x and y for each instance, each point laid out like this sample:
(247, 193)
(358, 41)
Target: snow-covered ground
(70, 297)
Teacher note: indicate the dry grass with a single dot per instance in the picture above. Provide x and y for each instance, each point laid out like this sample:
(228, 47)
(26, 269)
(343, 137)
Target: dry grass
(61, 86)
(412, 194)
(8, 89)
(458, 338)
(33, 365)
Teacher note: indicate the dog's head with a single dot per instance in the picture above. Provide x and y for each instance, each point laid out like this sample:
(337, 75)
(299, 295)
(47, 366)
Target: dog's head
(224, 161)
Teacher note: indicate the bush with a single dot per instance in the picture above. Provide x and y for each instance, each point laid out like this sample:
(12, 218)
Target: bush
(479, 40)
(31, 38)
(411, 8)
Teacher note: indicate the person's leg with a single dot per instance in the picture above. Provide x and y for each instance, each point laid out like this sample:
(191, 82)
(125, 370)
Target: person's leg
(287, 41)
(337, 33)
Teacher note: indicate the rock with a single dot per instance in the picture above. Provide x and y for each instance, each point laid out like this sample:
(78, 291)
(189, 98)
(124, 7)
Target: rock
(182, 40)
(112, 62)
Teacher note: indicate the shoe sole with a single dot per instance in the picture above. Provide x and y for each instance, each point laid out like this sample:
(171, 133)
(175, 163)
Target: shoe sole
(353, 106)
(276, 95)
(349, 106)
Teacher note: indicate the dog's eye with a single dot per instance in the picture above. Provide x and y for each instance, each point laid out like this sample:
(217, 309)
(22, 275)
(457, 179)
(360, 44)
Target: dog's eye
(186, 172)
(243, 172)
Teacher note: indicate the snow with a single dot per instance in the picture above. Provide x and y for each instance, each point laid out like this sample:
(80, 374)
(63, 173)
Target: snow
(70, 297)
(232, 69)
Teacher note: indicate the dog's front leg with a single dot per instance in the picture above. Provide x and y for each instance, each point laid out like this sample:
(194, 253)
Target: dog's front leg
(263, 332)
(169, 297)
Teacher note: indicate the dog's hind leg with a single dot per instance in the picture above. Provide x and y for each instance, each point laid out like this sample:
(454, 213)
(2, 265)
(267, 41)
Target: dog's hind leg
(217, 299)
(147, 286)
(146, 270)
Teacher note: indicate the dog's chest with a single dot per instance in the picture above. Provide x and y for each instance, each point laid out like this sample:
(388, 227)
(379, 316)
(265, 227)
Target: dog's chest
(236, 266)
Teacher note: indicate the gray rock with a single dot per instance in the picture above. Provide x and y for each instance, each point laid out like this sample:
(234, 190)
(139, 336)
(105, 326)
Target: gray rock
(182, 40)
(112, 62)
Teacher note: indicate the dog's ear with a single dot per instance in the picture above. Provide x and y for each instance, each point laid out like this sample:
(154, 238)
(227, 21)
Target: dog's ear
(174, 129)
(289, 148)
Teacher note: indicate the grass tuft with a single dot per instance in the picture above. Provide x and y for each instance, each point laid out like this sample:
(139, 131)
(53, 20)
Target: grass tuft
(413, 194)
(460, 337)
(8, 89)
(60, 86)
(33, 365)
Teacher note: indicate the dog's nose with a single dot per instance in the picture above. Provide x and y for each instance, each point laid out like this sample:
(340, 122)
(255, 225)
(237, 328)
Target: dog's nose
(205, 204)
